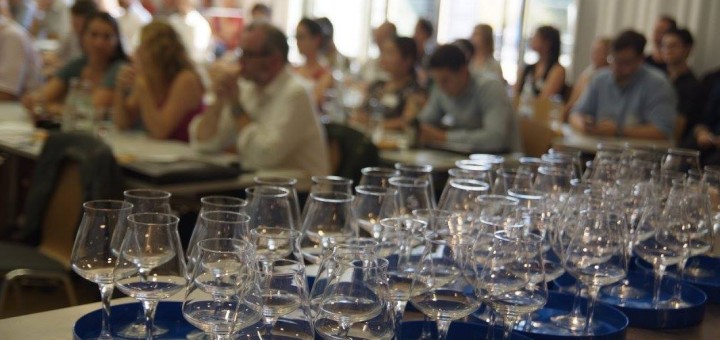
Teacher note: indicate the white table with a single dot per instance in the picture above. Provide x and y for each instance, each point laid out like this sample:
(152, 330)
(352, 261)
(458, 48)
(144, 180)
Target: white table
(588, 144)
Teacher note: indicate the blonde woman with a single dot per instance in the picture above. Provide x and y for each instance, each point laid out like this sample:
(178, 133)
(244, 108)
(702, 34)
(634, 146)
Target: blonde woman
(161, 92)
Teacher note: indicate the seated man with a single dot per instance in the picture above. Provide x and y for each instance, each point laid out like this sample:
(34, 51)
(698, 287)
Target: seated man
(463, 109)
(630, 99)
(268, 114)
(20, 64)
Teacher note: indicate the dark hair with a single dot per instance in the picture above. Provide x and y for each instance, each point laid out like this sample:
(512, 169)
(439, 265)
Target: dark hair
(670, 20)
(447, 56)
(426, 26)
(105, 17)
(328, 31)
(275, 40)
(312, 26)
(552, 36)
(684, 35)
(260, 7)
(486, 34)
(466, 46)
(629, 39)
(408, 50)
(84, 8)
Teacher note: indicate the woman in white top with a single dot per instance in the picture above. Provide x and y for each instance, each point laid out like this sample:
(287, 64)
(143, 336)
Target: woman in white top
(482, 60)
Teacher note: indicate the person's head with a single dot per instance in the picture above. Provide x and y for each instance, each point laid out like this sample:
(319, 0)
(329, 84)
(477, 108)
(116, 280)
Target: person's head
(600, 52)
(162, 53)
(448, 67)
(125, 4)
(483, 39)
(398, 56)
(546, 42)
(664, 24)
(466, 46)
(265, 53)
(100, 38)
(309, 37)
(79, 12)
(676, 46)
(423, 30)
(385, 31)
(328, 33)
(627, 55)
(261, 12)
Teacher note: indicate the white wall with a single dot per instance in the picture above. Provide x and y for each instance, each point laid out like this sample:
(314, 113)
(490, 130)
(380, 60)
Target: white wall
(608, 17)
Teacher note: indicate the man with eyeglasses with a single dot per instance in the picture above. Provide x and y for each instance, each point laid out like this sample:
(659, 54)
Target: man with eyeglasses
(263, 109)
(630, 99)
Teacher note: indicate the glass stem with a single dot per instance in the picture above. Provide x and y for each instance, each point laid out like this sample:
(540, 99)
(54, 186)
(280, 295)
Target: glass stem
(592, 298)
(492, 321)
(677, 294)
(106, 291)
(508, 327)
(269, 325)
(149, 308)
(443, 326)
(399, 312)
(426, 331)
(657, 288)
(576, 311)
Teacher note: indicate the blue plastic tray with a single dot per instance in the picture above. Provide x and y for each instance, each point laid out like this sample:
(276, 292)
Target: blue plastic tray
(708, 281)
(168, 316)
(458, 330)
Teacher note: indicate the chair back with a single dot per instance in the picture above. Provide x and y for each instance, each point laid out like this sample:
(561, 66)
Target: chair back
(350, 151)
(537, 136)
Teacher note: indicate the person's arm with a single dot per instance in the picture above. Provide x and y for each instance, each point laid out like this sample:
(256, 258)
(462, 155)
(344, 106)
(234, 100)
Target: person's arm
(432, 112)
(577, 90)
(583, 113)
(185, 94)
(215, 127)
(645, 131)
(321, 86)
(554, 83)
(413, 105)
(51, 95)
(126, 109)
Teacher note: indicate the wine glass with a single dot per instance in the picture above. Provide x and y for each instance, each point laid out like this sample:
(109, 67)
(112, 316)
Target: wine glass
(283, 286)
(682, 160)
(354, 303)
(151, 264)
(371, 204)
(494, 212)
(420, 172)
(470, 169)
(216, 224)
(218, 286)
(273, 244)
(495, 161)
(531, 165)
(595, 255)
(93, 256)
(512, 278)
(413, 194)
(331, 184)
(377, 176)
(554, 181)
(443, 287)
(269, 207)
(459, 194)
(148, 200)
(327, 214)
(507, 179)
(289, 184)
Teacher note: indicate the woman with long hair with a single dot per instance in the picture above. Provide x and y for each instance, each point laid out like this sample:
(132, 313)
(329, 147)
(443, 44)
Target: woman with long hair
(309, 36)
(546, 78)
(482, 60)
(162, 91)
(103, 56)
(399, 98)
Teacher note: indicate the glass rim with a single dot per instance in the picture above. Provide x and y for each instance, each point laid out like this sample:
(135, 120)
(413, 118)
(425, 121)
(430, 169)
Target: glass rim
(555, 170)
(267, 191)
(154, 194)
(376, 170)
(408, 182)
(247, 246)
(292, 232)
(530, 238)
(513, 172)
(331, 197)
(469, 184)
(683, 152)
(331, 179)
(114, 205)
(275, 181)
(298, 267)
(473, 165)
(488, 158)
(374, 190)
(527, 194)
(502, 199)
(385, 222)
(242, 217)
(368, 261)
(207, 199)
(423, 168)
(172, 219)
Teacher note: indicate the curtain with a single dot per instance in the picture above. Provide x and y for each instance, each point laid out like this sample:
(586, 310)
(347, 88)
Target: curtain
(608, 17)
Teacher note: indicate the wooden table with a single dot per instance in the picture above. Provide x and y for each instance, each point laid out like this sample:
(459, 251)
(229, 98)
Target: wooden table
(588, 144)
(441, 161)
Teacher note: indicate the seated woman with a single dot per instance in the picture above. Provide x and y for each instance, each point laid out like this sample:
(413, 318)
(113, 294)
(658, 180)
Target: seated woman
(546, 78)
(400, 98)
(309, 36)
(103, 56)
(161, 92)
(482, 60)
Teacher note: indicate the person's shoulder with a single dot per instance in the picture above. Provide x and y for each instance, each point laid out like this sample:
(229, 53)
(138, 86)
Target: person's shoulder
(485, 79)
(602, 75)
(653, 74)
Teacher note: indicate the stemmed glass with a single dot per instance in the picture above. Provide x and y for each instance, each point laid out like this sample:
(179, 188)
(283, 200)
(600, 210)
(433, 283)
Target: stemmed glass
(512, 277)
(327, 214)
(215, 224)
(269, 206)
(272, 244)
(459, 194)
(420, 172)
(682, 160)
(354, 304)
(595, 255)
(371, 204)
(289, 184)
(413, 193)
(443, 288)
(507, 179)
(218, 287)
(330, 184)
(283, 286)
(375, 176)
(93, 256)
(151, 264)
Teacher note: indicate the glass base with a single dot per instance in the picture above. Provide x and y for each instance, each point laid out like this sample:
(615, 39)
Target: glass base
(624, 291)
(136, 330)
(672, 304)
(569, 321)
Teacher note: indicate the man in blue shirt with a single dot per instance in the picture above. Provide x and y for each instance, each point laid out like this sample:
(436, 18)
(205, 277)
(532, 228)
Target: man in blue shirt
(463, 109)
(629, 99)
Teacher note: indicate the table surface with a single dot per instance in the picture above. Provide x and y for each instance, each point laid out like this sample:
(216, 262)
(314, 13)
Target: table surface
(588, 144)
(57, 324)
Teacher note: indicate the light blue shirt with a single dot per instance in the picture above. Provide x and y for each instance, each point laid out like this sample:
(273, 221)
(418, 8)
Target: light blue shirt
(647, 99)
(481, 117)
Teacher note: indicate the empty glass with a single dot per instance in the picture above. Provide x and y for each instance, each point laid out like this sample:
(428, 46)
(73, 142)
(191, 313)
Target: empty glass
(148, 200)
(289, 184)
(413, 194)
(269, 207)
(331, 184)
(507, 179)
(151, 264)
(93, 255)
(459, 195)
(326, 214)
(216, 224)
(376, 176)
(273, 244)
(283, 286)
(682, 160)
(422, 172)
(371, 204)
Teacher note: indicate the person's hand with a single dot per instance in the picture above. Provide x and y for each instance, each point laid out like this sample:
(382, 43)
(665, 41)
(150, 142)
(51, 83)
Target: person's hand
(44, 5)
(224, 80)
(126, 77)
(428, 133)
(706, 139)
(604, 128)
